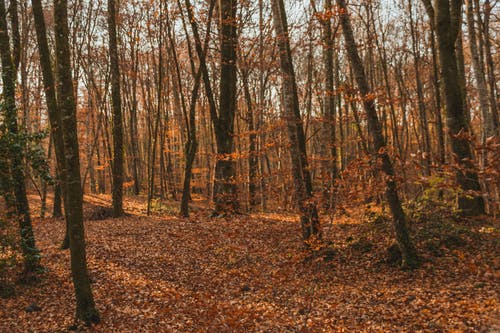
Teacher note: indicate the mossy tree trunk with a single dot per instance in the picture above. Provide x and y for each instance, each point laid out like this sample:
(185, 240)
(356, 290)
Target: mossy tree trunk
(15, 148)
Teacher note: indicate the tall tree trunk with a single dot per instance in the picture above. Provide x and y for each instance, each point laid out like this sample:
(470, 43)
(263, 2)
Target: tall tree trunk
(490, 66)
(329, 123)
(409, 257)
(191, 146)
(488, 129)
(85, 307)
(134, 131)
(253, 160)
(117, 192)
(159, 104)
(446, 19)
(55, 116)
(260, 114)
(437, 98)
(426, 156)
(311, 227)
(15, 150)
(225, 183)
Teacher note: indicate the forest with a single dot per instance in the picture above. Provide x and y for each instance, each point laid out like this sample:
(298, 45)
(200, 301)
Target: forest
(249, 166)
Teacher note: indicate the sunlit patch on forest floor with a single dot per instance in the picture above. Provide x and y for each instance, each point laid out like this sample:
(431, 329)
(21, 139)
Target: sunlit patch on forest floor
(251, 273)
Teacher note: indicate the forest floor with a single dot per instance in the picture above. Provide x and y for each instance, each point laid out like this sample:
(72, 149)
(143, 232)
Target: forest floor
(251, 273)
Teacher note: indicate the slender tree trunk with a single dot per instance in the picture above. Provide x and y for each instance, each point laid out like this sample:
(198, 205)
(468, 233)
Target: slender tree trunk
(459, 52)
(15, 150)
(159, 102)
(426, 156)
(490, 66)
(409, 257)
(329, 122)
(134, 131)
(260, 114)
(117, 113)
(253, 160)
(191, 146)
(437, 98)
(311, 227)
(43, 205)
(488, 129)
(85, 307)
(55, 116)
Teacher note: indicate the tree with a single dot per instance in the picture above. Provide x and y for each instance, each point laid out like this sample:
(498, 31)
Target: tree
(225, 186)
(329, 123)
(309, 219)
(16, 148)
(117, 113)
(408, 254)
(85, 306)
(488, 124)
(191, 146)
(50, 98)
(445, 16)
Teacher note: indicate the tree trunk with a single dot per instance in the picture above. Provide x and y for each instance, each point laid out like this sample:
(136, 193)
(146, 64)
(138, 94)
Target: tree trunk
(225, 183)
(426, 156)
(57, 204)
(490, 66)
(191, 146)
(487, 120)
(329, 122)
(55, 116)
(437, 98)
(117, 113)
(409, 257)
(15, 150)
(311, 227)
(85, 307)
(447, 25)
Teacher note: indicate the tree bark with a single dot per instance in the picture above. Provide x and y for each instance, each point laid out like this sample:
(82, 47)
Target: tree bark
(117, 113)
(490, 66)
(51, 101)
(16, 148)
(426, 156)
(488, 129)
(311, 228)
(329, 123)
(191, 146)
(225, 183)
(408, 253)
(85, 306)
(447, 23)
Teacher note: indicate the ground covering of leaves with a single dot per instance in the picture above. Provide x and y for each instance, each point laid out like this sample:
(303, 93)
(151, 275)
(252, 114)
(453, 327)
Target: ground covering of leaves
(251, 273)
